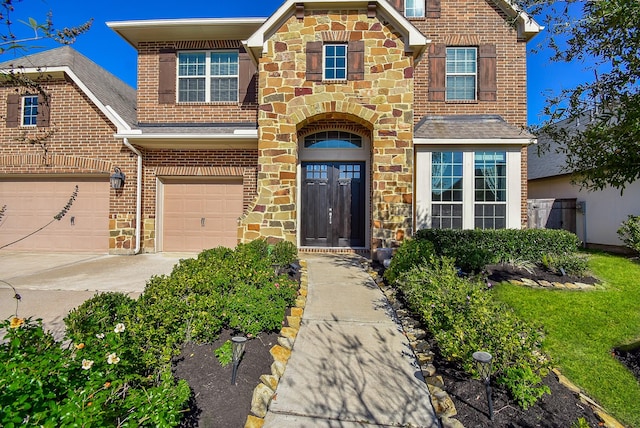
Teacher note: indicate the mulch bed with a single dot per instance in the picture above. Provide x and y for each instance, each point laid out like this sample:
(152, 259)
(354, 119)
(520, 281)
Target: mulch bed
(217, 403)
(506, 272)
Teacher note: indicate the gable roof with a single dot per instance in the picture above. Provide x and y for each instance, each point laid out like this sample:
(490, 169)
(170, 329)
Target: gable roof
(415, 41)
(112, 96)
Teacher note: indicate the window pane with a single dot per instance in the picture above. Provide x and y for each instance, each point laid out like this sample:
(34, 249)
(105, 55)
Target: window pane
(414, 8)
(446, 216)
(224, 89)
(30, 110)
(224, 63)
(191, 64)
(333, 140)
(191, 90)
(461, 67)
(490, 186)
(335, 62)
(446, 176)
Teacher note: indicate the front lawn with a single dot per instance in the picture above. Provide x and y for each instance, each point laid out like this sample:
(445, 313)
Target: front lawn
(582, 328)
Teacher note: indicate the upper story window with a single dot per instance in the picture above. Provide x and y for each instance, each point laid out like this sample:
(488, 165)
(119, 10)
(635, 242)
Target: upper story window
(414, 8)
(335, 62)
(333, 140)
(29, 110)
(208, 76)
(461, 70)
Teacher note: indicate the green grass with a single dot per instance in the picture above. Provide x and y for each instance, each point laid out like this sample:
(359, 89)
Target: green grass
(582, 328)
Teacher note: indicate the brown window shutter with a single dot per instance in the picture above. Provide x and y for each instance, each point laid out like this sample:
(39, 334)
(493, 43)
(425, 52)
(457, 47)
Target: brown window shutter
(314, 61)
(355, 60)
(437, 72)
(398, 5)
(44, 108)
(487, 82)
(13, 110)
(167, 76)
(247, 79)
(432, 9)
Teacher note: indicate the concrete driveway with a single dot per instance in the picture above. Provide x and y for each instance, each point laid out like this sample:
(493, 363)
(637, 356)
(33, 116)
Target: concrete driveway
(51, 284)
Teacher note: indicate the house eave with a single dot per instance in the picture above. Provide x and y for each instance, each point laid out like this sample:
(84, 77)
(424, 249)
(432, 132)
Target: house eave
(135, 32)
(240, 139)
(472, 142)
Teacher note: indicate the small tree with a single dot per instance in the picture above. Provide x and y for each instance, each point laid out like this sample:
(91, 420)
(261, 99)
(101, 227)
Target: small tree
(629, 232)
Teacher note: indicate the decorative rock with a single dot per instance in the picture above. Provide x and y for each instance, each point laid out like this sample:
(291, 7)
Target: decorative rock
(583, 286)
(566, 382)
(261, 399)
(435, 381)
(293, 321)
(544, 283)
(428, 370)
(270, 380)
(516, 282)
(451, 423)
(558, 285)
(285, 342)
(297, 312)
(254, 422)
(277, 369)
(529, 282)
(442, 403)
(280, 353)
(301, 302)
(607, 420)
(570, 286)
(425, 358)
(289, 332)
(422, 346)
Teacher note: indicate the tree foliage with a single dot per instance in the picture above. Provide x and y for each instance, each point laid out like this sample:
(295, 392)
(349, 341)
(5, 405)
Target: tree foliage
(600, 131)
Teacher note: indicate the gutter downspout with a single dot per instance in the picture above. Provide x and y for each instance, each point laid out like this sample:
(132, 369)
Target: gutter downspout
(138, 193)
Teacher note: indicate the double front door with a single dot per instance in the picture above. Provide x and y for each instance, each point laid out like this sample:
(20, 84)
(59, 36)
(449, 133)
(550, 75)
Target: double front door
(333, 204)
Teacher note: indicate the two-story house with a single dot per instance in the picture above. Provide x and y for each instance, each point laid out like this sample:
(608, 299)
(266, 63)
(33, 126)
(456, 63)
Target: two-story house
(341, 125)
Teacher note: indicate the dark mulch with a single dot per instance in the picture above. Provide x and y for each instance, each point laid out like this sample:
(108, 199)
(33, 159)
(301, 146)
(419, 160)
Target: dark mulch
(506, 272)
(630, 357)
(217, 403)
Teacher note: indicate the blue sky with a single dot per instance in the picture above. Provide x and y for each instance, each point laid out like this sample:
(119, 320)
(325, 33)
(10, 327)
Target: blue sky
(108, 50)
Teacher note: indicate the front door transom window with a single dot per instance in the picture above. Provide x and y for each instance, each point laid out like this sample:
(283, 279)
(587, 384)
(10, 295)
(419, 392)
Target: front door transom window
(333, 140)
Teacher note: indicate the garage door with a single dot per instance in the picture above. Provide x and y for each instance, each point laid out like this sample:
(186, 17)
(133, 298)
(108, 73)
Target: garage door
(199, 215)
(32, 203)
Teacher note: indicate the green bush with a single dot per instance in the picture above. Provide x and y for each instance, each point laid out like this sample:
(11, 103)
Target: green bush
(411, 253)
(46, 383)
(629, 232)
(98, 314)
(570, 264)
(464, 318)
(283, 253)
(502, 245)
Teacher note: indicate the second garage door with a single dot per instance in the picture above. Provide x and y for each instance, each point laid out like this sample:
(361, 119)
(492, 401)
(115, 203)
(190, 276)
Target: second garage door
(32, 204)
(197, 215)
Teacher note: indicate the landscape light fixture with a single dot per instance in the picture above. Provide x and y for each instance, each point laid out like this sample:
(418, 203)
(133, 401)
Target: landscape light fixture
(483, 362)
(117, 179)
(238, 344)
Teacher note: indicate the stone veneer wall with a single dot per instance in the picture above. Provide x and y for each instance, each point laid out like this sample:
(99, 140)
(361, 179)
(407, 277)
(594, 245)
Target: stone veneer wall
(382, 102)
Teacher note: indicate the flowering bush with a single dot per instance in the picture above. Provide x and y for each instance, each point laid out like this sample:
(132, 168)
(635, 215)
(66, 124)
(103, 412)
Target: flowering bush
(84, 384)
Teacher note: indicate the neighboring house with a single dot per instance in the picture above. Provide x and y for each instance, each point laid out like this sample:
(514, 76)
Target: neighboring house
(598, 214)
(336, 125)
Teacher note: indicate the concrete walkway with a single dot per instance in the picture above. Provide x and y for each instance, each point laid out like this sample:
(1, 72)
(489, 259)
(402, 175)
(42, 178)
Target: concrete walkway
(351, 365)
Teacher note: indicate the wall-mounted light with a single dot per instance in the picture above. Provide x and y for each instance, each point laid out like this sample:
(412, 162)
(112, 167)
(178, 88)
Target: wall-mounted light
(117, 179)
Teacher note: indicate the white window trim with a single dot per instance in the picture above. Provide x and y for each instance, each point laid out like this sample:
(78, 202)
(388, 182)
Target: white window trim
(207, 77)
(23, 101)
(475, 76)
(423, 184)
(406, 9)
(324, 61)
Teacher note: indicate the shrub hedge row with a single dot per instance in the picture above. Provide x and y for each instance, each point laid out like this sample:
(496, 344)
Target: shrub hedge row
(474, 249)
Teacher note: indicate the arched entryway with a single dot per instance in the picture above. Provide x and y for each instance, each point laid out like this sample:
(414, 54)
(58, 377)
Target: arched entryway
(334, 186)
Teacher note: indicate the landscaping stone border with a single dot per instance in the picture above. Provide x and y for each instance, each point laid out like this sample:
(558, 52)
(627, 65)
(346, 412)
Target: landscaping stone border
(265, 391)
(541, 283)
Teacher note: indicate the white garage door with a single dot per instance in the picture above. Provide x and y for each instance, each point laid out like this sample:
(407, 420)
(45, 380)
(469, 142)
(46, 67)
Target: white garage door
(32, 203)
(198, 215)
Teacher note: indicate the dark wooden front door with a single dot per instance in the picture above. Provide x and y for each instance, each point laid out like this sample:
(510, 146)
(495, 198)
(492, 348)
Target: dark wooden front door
(333, 204)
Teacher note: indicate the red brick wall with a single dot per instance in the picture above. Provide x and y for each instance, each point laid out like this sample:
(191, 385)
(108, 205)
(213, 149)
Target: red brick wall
(472, 23)
(81, 142)
(150, 111)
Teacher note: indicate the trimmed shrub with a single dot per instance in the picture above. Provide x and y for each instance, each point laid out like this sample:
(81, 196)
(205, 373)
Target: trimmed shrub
(502, 245)
(629, 232)
(463, 318)
(570, 264)
(98, 314)
(412, 252)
